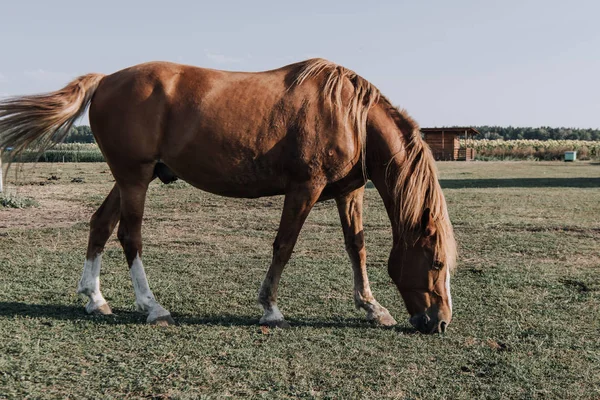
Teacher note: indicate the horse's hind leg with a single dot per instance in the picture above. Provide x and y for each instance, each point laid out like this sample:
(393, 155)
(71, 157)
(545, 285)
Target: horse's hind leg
(350, 210)
(133, 196)
(102, 224)
(298, 202)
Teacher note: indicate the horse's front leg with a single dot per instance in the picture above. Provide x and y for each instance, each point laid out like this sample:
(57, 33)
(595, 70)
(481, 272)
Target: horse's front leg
(350, 210)
(299, 200)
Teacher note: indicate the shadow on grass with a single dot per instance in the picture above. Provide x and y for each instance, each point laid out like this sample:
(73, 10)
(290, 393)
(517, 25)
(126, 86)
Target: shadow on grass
(65, 312)
(520, 182)
(125, 317)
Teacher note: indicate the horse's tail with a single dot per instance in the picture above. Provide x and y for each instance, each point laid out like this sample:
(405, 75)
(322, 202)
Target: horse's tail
(38, 122)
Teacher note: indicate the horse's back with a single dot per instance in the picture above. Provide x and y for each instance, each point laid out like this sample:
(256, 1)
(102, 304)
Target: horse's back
(144, 92)
(178, 98)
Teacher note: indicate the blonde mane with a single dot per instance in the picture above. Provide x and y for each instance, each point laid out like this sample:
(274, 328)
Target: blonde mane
(363, 97)
(415, 188)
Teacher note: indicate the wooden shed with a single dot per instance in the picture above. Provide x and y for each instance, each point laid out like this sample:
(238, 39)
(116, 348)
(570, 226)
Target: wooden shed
(445, 143)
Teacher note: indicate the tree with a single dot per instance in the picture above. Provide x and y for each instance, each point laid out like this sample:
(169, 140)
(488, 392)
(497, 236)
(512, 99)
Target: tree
(80, 134)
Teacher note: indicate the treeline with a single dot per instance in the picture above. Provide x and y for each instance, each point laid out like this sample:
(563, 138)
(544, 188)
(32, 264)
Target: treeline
(541, 133)
(80, 134)
(83, 133)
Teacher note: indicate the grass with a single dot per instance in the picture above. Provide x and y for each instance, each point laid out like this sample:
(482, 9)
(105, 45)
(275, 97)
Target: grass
(9, 200)
(64, 152)
(526, 295)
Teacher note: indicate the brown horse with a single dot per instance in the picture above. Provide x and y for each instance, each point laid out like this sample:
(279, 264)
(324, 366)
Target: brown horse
(310, 131)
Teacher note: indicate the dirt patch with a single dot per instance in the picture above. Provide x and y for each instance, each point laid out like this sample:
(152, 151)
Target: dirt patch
(63, 200)
(54, 209)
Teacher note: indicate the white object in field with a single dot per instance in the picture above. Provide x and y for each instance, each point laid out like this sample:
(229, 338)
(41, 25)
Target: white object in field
(570, 155)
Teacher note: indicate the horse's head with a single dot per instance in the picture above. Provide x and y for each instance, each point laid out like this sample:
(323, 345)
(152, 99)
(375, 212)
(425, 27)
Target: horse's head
(402, 168)
(420, 268)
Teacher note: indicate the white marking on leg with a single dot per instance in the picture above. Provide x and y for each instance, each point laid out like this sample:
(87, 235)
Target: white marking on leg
(271, 314)
(448, 288)
(144, 299)
(363, 298)
(89, 284)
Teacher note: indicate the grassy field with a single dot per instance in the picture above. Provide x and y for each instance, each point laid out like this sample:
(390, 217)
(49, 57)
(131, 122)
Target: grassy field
(526, 295)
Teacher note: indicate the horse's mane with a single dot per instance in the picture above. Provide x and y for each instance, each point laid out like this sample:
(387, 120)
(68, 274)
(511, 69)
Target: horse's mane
(364, 95)
(414, 186)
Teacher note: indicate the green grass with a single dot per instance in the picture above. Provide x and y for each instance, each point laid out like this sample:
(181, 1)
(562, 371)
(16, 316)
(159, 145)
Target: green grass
(64, 152)
(11, 200)
(526, 296)
(533, 150)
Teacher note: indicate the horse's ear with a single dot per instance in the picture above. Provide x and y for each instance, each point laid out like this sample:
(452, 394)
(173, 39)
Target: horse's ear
(427, 225)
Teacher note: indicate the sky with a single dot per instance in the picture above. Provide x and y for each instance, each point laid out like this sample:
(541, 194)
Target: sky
(461, 62)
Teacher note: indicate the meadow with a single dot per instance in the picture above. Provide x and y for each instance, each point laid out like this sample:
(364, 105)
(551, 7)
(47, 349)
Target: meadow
(526, 295)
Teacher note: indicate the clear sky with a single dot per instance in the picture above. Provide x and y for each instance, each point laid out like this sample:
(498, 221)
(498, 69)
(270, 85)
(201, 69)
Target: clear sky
(460, 62)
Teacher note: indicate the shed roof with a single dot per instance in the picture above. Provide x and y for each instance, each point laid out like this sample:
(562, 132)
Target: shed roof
(454, 129)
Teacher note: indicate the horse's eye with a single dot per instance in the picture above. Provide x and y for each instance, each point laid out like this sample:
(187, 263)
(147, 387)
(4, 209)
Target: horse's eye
(437, 265)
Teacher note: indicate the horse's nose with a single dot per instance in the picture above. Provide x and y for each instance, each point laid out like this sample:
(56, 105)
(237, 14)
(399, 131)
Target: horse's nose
(442, 326)
(425, 324)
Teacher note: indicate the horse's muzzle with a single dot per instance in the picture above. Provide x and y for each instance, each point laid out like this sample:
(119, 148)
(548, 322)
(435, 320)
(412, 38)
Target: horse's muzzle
(425, 324)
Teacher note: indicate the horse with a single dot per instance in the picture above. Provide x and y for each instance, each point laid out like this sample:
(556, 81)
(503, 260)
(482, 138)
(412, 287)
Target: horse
(311, 131)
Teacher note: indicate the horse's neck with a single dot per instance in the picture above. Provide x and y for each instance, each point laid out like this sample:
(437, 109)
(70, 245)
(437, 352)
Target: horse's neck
(385, 154)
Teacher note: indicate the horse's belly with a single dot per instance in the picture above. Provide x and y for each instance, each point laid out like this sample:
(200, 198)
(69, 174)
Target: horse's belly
(248, 189)
(230, 177)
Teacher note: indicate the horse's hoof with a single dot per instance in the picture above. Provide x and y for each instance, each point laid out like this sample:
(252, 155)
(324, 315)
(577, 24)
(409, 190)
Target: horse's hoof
(281, 323)
(165, 320)
(384, 320)
(104, 309)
